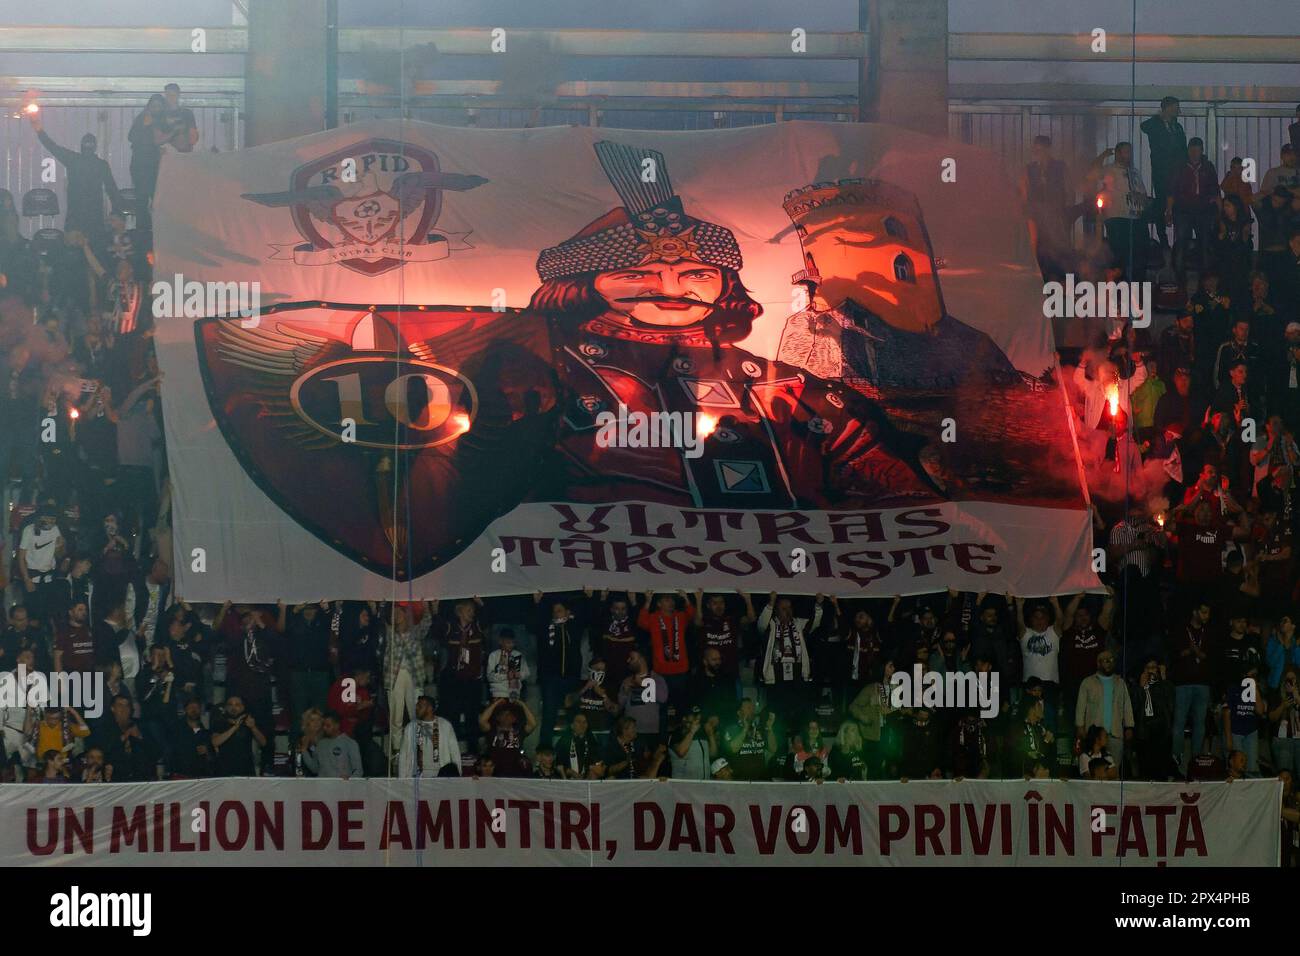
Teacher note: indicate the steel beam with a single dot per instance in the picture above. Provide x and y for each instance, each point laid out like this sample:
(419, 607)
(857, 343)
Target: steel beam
(461, 42)
(222, 90)
(1099, 93)
(58, 85)
(612, 43)
(1151, 48)
(51, 87)
(119, 40)
(1038, 47)
(586, 104)
(630, 89)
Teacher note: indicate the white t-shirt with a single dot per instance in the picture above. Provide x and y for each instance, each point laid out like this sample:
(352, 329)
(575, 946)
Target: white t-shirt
(500, 684)
(695, 765)
(1085, 760)
(39, 547)
(1280, 176)
(1041, 652)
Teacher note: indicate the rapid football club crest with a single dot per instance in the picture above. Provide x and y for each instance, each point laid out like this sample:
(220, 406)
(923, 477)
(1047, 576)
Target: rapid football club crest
(369, 207)
(397, 434)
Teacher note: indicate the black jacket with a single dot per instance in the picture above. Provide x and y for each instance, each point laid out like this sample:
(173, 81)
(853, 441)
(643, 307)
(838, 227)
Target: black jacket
(1168, 152)
(559, 646)
(185, 757)
(150, 690)
(108, 642)
(132, 761)
(89, 177)
(1161, 720)
(308, 643)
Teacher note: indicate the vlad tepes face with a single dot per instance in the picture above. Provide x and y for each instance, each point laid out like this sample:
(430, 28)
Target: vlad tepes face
(661, 294)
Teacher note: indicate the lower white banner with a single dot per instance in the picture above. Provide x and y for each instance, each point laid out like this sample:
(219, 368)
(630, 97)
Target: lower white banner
(454, 822)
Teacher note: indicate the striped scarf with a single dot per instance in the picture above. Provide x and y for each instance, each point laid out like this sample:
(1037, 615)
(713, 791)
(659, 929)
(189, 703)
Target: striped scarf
(580, 756)
(673, 648)
(126, 304)
(560, 628)
(422, 733)
(789, 643)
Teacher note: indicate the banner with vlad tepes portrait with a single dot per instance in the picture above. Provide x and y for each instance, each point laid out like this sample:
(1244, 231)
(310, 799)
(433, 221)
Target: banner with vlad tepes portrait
(610, 823)
(809, 357)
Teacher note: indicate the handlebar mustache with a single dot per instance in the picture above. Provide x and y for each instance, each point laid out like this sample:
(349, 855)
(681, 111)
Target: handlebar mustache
(683, 300)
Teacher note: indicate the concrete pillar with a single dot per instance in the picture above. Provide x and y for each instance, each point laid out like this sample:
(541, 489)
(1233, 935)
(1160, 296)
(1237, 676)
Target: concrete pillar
(285, 70)
(904, 79)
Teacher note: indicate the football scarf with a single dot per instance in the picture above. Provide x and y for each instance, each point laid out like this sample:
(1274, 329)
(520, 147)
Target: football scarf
(552, 630)
(672, 646)
(789, 642)
(422, 733)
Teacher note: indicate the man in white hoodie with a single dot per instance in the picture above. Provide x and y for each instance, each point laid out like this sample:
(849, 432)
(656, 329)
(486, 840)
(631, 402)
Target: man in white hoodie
(786, 665)
(507, 671)
(429, 745)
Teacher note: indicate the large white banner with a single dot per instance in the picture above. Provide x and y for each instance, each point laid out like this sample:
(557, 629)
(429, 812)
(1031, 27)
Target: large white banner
(806, 356)
(455, 822)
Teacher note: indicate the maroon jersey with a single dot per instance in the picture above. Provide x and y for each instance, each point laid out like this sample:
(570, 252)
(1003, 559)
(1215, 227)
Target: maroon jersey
(507, 751)
(722, 633)
(617, 640)
(861, 649)
(1200, 552)
(465, 657)
(1276, 578)
(1079, 650)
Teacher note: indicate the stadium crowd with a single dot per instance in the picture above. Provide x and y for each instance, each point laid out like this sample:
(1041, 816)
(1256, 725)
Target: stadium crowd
(1186, 667)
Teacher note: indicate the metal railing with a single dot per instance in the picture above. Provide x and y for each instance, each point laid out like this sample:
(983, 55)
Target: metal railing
(1081, 118)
